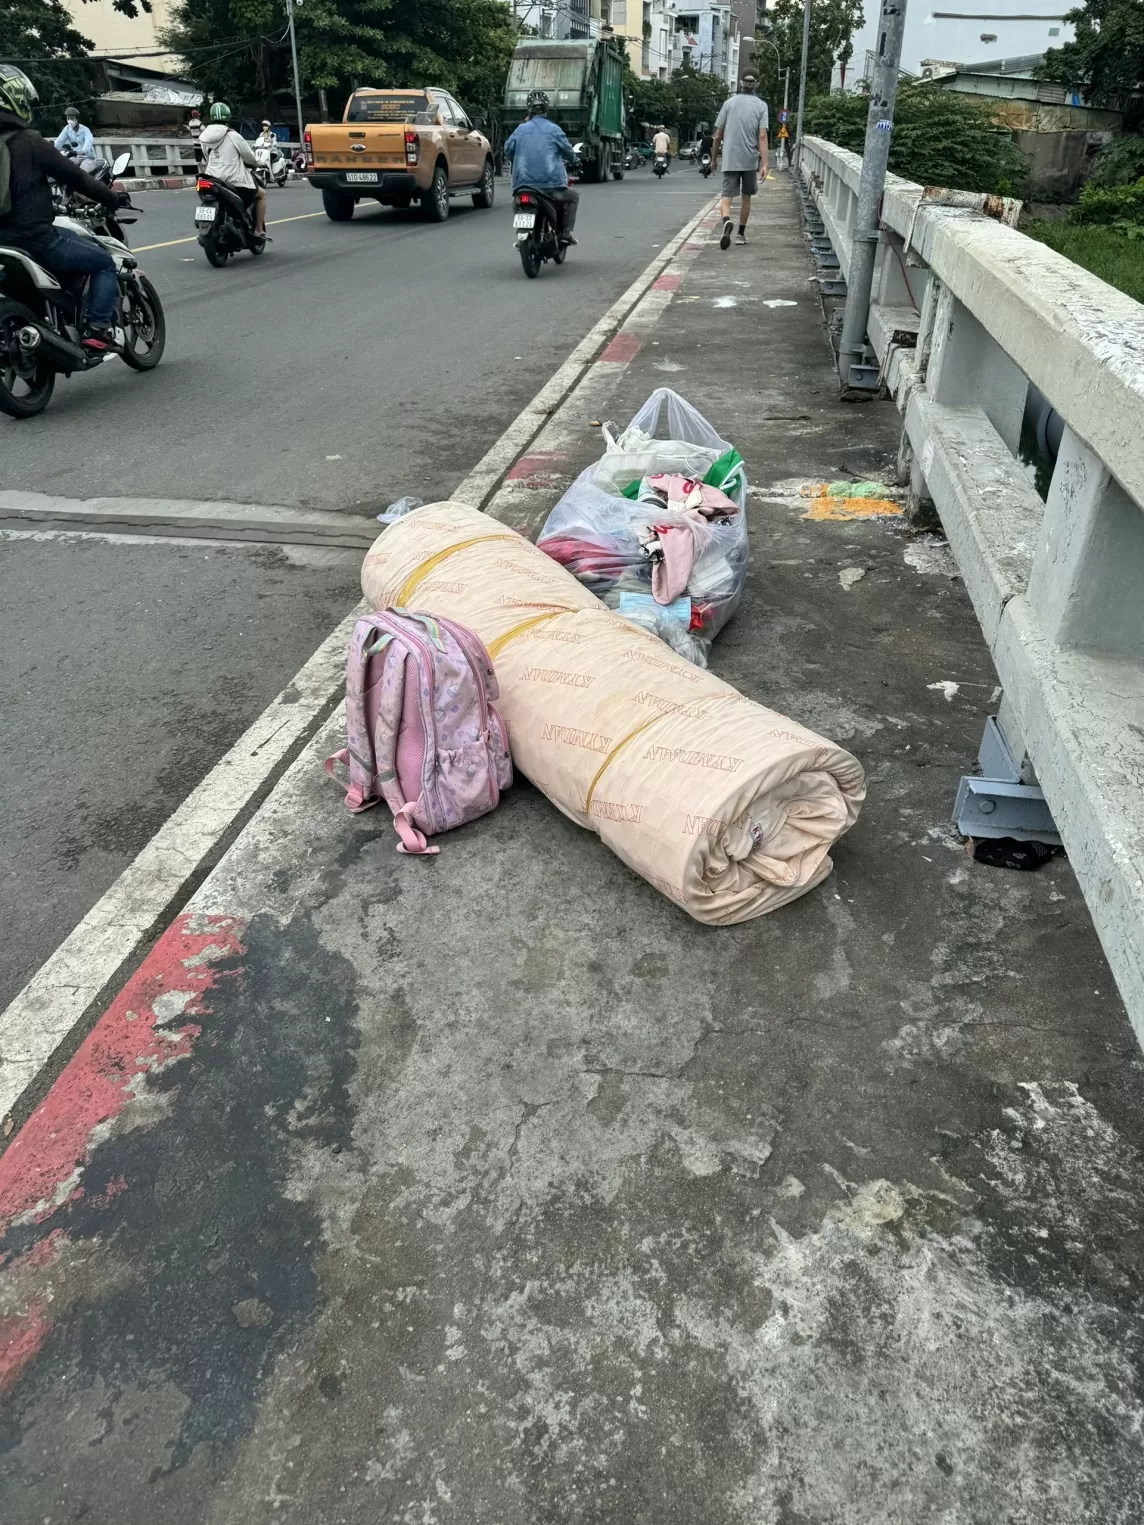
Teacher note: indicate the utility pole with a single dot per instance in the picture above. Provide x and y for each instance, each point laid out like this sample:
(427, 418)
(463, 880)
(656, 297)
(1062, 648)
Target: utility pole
(802, 79)
(290, 4)
(875, 156)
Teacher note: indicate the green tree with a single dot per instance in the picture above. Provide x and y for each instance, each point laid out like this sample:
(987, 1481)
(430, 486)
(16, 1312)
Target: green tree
(1106, 61)
(698, 98)
(42, 38)
(459, 45)
(940, 138)
(681, 102)
(832, 27)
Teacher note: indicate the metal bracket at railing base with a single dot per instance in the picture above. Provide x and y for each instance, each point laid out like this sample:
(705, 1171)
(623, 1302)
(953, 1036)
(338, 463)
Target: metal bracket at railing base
(864, 378)
(989, 807)
(1000, 805)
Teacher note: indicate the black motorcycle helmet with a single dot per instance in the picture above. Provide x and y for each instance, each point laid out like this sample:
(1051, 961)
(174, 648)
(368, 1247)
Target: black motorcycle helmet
(538, 103)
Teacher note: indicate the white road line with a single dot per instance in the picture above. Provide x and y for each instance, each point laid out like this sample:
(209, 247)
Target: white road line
(83, 973)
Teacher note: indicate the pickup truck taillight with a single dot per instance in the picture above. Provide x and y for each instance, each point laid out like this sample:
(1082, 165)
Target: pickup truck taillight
(412, 146)
(309, 142)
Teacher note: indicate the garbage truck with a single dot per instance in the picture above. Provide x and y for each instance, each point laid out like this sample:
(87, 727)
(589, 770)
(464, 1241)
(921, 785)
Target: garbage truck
(584, 81)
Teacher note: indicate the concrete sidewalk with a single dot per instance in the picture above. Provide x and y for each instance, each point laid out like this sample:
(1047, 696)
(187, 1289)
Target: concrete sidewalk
(492, 1189)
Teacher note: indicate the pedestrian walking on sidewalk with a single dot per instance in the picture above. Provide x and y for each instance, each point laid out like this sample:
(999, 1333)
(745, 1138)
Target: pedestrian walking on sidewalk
(741, 132)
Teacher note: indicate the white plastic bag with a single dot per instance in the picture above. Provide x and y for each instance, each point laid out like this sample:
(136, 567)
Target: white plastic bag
(688, 445)
(595, 531)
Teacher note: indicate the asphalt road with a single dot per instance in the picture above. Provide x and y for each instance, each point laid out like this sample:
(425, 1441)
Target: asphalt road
(399, 348)
(352, 364)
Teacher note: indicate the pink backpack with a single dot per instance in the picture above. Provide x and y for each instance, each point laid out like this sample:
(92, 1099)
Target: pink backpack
(422, 733)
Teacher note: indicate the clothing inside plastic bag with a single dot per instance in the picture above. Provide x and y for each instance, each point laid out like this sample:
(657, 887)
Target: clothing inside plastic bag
(614, 531)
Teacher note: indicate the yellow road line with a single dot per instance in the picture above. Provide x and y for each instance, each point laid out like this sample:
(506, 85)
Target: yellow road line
(272, 223)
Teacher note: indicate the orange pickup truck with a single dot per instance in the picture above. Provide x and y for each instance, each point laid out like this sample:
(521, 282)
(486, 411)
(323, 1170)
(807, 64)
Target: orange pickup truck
(397, 147)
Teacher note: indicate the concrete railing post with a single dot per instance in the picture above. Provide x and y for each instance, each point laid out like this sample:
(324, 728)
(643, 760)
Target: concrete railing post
(1087, 583)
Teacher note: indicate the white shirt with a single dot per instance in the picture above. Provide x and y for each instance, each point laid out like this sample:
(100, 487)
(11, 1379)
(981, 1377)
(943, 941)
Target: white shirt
(661, 143)
(230, 157)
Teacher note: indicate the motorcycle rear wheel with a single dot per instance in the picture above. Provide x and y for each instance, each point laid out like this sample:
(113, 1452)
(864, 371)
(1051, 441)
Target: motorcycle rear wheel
(24, 391)
(561, 254)
(152, 328)
(530, 259)
(217, 257)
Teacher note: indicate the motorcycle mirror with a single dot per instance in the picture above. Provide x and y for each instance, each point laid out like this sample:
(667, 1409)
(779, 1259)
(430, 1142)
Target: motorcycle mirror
(120, 165)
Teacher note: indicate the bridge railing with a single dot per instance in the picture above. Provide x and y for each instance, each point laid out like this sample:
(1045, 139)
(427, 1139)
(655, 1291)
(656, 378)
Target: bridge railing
(968, 316)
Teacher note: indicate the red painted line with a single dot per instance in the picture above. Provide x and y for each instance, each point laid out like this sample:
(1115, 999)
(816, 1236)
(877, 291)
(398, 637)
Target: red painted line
(625, 346)
(543, 463)
(148, 1026)
(667, 283)
(694, 247)
(21, 1335)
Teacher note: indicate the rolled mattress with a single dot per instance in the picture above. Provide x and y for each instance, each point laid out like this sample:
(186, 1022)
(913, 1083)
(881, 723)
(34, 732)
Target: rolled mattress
(726, 807)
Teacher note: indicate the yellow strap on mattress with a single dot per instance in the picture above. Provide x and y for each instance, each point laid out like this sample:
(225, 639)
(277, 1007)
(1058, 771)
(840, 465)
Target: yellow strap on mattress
(537, 619)
(419, 573)
(619, 746)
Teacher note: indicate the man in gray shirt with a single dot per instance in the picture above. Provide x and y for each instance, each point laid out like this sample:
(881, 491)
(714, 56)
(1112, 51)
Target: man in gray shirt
(741, 132)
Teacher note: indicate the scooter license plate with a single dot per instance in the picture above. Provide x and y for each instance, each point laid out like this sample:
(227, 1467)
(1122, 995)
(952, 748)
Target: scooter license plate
(524, 220)
(206, 214)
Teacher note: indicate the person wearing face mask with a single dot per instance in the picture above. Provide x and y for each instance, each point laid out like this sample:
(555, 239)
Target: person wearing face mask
(74, 138)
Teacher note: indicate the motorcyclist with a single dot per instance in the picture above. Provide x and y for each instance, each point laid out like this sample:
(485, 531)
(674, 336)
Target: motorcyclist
(26, 210)
(74, 139)
(230, 160)
(267, 137)
(661, 145)
(706, 144)
(538, 152)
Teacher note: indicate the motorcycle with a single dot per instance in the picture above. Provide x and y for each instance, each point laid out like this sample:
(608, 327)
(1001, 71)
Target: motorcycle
(535, 223)
(224, 225)
(274, 164)
(660, 166)
(74, 205)
(41, 318)
(632, 158)
(705, 165)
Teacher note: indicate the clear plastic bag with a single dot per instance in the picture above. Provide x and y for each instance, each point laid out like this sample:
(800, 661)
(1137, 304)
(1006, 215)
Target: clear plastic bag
(399, 510)
(596, 532)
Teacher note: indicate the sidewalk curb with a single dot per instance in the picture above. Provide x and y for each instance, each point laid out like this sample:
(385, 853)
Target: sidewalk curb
(45, 1023)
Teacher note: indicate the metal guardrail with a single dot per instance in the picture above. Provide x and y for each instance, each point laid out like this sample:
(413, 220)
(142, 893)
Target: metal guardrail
(157, 157)
(969, 321)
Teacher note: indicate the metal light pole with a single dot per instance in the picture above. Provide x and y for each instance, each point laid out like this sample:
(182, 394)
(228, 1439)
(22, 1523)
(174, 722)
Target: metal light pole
(802, 78)
(875, 156)
(290, 4)
(766, 41)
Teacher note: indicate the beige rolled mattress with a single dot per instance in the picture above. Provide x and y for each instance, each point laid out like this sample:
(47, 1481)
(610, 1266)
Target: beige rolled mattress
(726, 807)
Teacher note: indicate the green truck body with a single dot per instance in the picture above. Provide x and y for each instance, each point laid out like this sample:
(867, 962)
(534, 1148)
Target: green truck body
(584, 81)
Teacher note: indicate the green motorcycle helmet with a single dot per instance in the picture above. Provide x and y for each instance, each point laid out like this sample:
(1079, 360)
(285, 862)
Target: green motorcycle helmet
(220, 112)
(17, 92)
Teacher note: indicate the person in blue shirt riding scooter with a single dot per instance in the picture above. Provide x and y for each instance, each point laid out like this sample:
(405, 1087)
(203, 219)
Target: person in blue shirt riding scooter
(74, 138)
(538, 152)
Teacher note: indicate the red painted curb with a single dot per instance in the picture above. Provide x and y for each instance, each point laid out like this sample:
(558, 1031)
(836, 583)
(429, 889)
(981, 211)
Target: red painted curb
(624, 347)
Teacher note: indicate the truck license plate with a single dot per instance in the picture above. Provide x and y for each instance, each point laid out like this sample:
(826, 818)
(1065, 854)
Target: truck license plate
(362, 177)
(524, 220)
(206, 214)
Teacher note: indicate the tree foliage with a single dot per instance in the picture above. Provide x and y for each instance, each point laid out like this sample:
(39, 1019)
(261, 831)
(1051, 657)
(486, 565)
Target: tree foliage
(459, 45)
(682, 101)
(42, 38)
(1106, 61)
(1120, 163)
(939, 138)
(832, 27)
